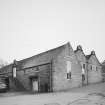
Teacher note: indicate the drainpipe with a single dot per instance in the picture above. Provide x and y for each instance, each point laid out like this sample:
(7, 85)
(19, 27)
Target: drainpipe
(14, 69)
(87, 70)
(51, 78)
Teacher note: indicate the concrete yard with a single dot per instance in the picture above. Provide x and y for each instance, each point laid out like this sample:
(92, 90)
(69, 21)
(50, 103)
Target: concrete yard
(88, 95)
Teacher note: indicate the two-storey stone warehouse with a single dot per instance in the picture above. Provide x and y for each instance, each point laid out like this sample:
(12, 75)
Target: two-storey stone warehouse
(54, 70)
(94, 68)
(83, 62)
(90, 65)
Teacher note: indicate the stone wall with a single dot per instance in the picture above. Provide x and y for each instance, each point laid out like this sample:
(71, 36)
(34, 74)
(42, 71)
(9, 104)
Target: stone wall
(94, 70)
(82, 60)
(60, 81)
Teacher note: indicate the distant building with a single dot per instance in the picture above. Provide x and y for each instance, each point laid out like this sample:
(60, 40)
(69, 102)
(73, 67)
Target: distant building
(83, 62)
(54, 70)
(94, 68)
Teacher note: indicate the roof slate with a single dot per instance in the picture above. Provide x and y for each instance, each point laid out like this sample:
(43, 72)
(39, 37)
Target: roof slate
(48, 56)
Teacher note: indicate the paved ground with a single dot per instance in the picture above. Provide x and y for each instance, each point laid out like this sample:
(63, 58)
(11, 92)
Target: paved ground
(88, 95)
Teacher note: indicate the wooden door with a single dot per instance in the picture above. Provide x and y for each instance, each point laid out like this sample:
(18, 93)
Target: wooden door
(35, 85)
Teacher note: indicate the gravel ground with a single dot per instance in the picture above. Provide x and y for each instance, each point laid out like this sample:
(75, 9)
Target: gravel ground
(88, 95)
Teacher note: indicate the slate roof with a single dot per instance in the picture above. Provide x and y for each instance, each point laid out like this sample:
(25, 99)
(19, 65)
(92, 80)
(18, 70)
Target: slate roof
(103, 63)
(47, 55)
(75, 51)
(88, 56)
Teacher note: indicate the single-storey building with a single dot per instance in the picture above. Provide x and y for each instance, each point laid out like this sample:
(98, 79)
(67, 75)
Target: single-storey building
(55, 70)
(94, 68)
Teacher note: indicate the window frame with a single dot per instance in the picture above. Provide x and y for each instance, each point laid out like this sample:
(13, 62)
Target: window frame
(84, 66)
(69, 76)
(91, 67)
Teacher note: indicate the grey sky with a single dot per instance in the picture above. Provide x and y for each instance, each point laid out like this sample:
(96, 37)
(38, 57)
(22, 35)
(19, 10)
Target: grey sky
(28, 27)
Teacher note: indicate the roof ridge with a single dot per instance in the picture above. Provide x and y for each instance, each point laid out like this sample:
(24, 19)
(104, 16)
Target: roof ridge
(50, 50)
(43, 52)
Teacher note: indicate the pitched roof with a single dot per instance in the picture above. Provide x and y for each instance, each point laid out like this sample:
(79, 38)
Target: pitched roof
(75, 51)
(88, 56)
(103, 63)
(92, 53)
(40, 54)
(47, 55)
(79, 48)
(6, 68)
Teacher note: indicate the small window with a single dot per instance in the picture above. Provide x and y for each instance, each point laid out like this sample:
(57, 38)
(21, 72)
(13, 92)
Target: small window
(84, 66)
(69, 75)
(96, 68)
(91, 67)
(14, 72)
(68, 69)
(83, 77)
(68, 66)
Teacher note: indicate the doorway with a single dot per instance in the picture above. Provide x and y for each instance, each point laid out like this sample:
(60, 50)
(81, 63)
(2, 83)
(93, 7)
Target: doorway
(44, 88)
(39, 86)
(83, 79)
(6, 80)
(35, 84)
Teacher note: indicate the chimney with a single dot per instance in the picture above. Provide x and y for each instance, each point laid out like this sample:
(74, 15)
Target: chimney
(92, 52)
(79, 47)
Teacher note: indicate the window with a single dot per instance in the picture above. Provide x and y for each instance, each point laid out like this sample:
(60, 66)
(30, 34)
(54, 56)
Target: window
(91, 67)
(69, 75)
(68, 66)
(83, 71)
(68, 69)
(83, 77)
(84, 66)
(14, 72)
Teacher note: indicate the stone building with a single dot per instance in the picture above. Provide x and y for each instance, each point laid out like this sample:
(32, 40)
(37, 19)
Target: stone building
(90, 65)
(103, 71)
(83, 62)
(54, 70)
(94, 68)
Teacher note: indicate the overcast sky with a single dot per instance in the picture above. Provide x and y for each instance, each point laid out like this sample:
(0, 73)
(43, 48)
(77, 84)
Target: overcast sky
(29, 27)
